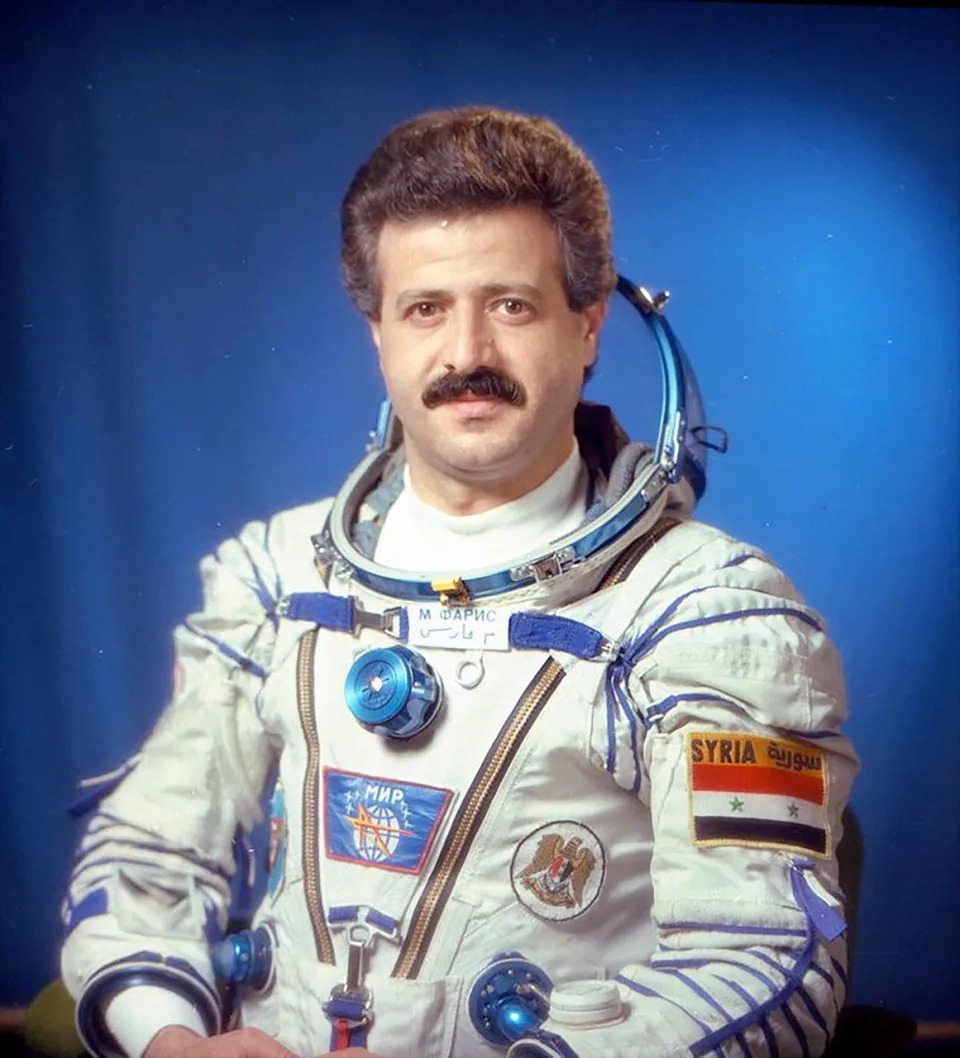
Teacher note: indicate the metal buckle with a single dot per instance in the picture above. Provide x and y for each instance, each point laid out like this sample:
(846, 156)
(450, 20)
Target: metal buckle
(324, 553)
(387, 622)
(545, 568)
(656, 485)
(608, 651)
(357, 996)
(361, 933)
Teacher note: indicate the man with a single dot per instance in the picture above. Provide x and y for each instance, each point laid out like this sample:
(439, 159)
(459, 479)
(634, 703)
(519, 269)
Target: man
(588, 800)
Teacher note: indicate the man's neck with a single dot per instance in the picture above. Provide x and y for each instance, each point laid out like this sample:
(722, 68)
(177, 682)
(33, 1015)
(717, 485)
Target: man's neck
(469, 495)
(416, 535)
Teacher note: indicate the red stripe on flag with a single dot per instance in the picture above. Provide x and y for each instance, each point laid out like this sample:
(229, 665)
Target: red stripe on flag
(751, 778)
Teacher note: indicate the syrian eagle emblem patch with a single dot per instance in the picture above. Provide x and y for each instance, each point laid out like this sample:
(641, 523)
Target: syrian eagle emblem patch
(557, 871)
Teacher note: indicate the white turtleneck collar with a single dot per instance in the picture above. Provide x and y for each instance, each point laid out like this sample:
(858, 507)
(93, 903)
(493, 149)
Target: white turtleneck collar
(422, 539)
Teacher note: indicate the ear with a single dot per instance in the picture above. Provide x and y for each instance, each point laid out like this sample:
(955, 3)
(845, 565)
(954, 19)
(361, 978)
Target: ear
(375, 331)
(593, 319)
(593, 316)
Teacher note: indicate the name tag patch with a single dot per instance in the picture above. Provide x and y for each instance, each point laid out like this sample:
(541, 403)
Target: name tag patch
(381, 822)
(752, 790)
(459, 627)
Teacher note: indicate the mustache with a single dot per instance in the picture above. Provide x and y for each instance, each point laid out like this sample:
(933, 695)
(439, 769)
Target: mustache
(482, 382)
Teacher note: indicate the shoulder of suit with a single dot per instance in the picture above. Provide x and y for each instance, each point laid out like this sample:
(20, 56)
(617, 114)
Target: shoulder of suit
(693, 551)
(302, 522)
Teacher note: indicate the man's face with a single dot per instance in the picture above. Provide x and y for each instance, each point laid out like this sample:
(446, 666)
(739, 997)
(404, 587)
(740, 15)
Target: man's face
(481, 355)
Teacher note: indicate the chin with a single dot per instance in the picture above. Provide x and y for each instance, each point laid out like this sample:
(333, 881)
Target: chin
(481, 462)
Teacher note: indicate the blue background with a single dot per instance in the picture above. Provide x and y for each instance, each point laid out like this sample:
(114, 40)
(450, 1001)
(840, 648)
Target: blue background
(178, 356)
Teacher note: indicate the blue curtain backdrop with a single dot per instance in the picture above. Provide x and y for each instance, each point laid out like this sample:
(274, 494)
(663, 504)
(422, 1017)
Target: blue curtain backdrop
(178, 356)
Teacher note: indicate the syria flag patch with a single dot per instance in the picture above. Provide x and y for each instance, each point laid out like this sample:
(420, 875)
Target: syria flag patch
(753, 790)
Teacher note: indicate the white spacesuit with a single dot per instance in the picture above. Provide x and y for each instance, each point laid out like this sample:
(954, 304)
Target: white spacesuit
(623, 782)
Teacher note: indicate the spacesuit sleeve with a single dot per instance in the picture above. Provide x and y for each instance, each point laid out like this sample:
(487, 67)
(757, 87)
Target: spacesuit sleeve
(150, 888)
(737, 697)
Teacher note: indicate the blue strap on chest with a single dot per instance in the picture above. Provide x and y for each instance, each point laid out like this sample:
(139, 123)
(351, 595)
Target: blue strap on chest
(341, 913)
(540, 631)
(340, 613)
(527, 631)
(321, 608)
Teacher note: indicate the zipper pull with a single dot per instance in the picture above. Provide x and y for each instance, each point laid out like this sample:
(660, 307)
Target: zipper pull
(827, 920)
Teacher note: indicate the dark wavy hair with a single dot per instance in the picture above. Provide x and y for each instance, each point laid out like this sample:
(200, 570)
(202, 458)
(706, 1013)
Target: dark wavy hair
(472, 159)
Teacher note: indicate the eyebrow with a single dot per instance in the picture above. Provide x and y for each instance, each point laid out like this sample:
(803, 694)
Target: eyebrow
(489, 290)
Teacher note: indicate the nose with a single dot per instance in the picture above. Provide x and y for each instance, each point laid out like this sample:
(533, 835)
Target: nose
(469, 339)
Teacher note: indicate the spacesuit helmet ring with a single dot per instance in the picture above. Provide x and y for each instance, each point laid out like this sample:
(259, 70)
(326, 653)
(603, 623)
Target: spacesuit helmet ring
(635, 497)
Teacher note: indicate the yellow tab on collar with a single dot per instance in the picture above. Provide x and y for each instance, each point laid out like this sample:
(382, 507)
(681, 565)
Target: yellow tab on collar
(452, 592)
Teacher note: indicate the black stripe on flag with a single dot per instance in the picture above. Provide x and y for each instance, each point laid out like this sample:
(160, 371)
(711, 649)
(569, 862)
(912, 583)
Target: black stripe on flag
(768, 831)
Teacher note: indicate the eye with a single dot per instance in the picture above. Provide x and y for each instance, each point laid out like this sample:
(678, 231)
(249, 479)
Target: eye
(424, 310)
(513, 307)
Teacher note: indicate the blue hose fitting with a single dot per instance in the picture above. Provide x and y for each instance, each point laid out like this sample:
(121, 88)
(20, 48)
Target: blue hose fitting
(245, 958)
(393, 691)
(509, 999)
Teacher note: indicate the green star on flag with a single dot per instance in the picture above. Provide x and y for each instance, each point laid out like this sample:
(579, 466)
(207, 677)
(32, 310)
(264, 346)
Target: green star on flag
(736, 805)
(793, 809)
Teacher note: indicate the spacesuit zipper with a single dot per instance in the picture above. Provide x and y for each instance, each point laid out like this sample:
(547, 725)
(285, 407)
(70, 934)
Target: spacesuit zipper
(475, 805)
(311, 822)
(471, 815)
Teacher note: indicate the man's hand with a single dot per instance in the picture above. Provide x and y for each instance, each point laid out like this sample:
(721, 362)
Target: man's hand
(178, 1042)
(350, 1052)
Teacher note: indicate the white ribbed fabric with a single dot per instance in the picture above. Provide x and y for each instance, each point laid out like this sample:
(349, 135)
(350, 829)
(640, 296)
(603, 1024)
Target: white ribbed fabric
(420, 538)
(136, 1015)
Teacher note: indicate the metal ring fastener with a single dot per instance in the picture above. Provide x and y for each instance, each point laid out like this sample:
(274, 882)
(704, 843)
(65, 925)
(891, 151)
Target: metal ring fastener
(469, 672)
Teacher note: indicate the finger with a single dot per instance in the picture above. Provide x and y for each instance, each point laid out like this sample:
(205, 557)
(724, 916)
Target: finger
(244, 1043)
(258, 1044)
(350, 1052)
(356, 1052)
